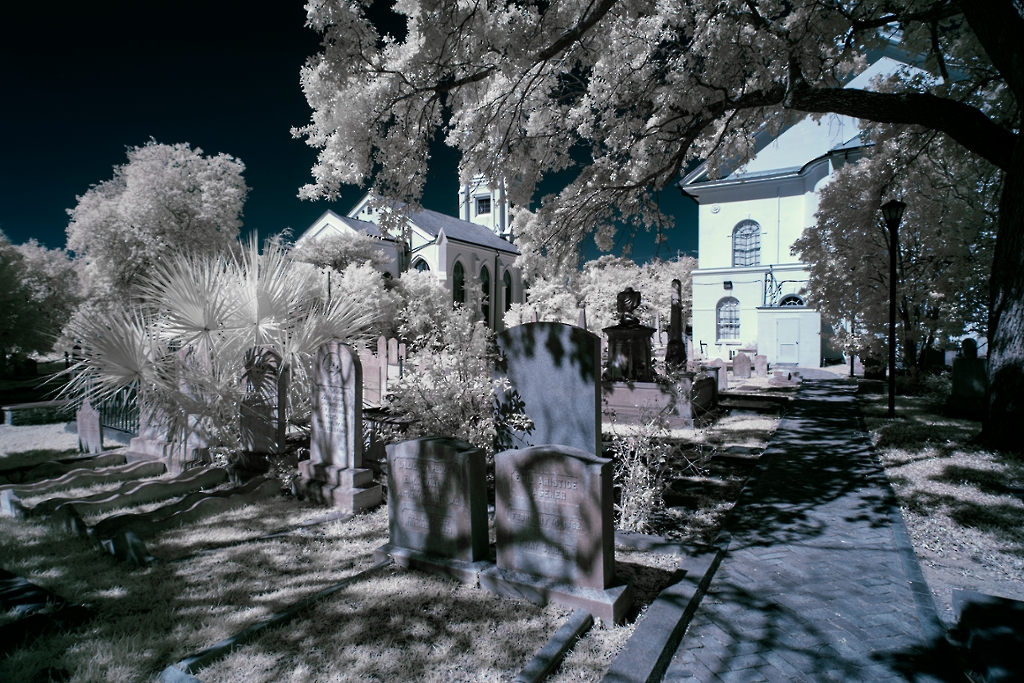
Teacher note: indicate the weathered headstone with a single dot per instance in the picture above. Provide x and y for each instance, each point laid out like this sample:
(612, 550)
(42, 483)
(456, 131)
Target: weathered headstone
(555, 536)
(334, 473)
(718, 367)
(741, 366)
(437, 507)
(556, 370)
(760, 366)
(970, 382)
(262, 421)
(90, 430)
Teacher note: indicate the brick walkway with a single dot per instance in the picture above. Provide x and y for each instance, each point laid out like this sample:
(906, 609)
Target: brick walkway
(819, 582)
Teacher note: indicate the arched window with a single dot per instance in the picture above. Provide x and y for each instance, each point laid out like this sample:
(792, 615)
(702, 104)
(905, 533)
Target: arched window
(728, 318)
(746, 244)
(421, 265)
(459, 283)
(485, 290)
(791, 300)
(508, 291)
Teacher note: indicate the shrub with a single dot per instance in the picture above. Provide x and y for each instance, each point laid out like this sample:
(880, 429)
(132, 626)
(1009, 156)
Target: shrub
(640, 458)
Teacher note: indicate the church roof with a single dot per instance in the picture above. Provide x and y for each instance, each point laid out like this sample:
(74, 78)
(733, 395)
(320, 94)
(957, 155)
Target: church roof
(433, 223)
(365, 227)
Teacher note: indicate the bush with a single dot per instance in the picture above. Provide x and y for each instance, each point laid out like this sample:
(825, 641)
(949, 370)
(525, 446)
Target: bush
(640, 458)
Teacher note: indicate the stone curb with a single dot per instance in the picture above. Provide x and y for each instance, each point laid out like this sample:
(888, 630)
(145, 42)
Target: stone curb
(182, 671)
(551, 655)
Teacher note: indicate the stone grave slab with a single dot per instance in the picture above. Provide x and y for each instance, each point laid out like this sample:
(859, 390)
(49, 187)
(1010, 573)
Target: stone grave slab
(717, 366)
(556, 370)
(760, 366)
(437, 507)
(334, 473)
(555, 536)
(90, 430)
(741, 366)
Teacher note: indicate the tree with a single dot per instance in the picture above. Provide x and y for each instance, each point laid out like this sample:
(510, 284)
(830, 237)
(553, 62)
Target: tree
(39, 289)
(167, 199)
(946, 241)
(339, 250)
(219, 307)
(645, 88)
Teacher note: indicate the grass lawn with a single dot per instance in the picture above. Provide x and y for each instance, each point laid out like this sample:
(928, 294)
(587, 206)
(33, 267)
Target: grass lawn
(394, 625)
(967, 529)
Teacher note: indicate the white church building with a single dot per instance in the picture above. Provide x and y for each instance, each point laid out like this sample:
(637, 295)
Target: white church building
(475, 247)
(750, 287)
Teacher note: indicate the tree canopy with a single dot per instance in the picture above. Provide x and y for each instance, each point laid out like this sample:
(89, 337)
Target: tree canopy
(167, 199)
(643, 88)
(39, 289)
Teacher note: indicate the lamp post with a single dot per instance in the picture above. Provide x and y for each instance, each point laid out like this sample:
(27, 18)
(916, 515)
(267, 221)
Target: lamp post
(892, 212)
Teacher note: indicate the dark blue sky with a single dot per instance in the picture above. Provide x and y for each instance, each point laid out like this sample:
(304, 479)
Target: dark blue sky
(81, 86)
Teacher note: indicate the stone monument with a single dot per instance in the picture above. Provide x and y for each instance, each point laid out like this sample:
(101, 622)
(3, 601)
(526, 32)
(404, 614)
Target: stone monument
(90, 429)
(967, 397)
(675, 350)
(760, 366)
(555, 369)
(437, 507)
(741, 366)
(555, 534)
(721, 373)
(263, 407)
(629, 343)
(334, 473)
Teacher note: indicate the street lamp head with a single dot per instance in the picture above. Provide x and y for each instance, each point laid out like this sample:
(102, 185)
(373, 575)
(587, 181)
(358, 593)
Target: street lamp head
(892, 211)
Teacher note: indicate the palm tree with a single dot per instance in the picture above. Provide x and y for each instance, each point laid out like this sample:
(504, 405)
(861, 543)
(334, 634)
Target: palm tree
(183, 348)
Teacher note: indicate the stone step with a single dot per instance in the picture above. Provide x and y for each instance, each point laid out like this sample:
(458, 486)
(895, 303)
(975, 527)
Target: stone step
(10, 504)
(18, 476)
(137, 492)
(191, 508)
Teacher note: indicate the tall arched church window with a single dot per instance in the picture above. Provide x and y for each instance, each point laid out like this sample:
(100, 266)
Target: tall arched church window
(485, 290)
(459, 283)
(507, 280)
(727, 316)
(746, 244)
(421, 265)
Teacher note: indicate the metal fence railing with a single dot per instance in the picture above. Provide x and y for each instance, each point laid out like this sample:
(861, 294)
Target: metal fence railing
(120, 411)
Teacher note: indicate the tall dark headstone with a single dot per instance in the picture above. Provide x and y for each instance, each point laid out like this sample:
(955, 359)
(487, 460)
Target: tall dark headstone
(970, 382)
(334, 473)
(556, 369)
(555, 533)
(437, 507)
(675, 351)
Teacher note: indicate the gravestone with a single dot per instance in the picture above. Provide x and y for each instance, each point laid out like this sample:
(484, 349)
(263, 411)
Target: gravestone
(555, 369)
(741, 366)
(629, 343)
(90, 430)
(262, 420)
(970, 382)
(761, 366)
(675, 352)
(437, 507)
(334, 473)
(717, 366)
(555, 536)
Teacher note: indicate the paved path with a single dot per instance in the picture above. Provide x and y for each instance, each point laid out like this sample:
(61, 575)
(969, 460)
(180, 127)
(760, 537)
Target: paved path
(819, 582)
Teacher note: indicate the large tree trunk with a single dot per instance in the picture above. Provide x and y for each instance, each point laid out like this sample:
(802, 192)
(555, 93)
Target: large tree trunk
(1005, 417)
